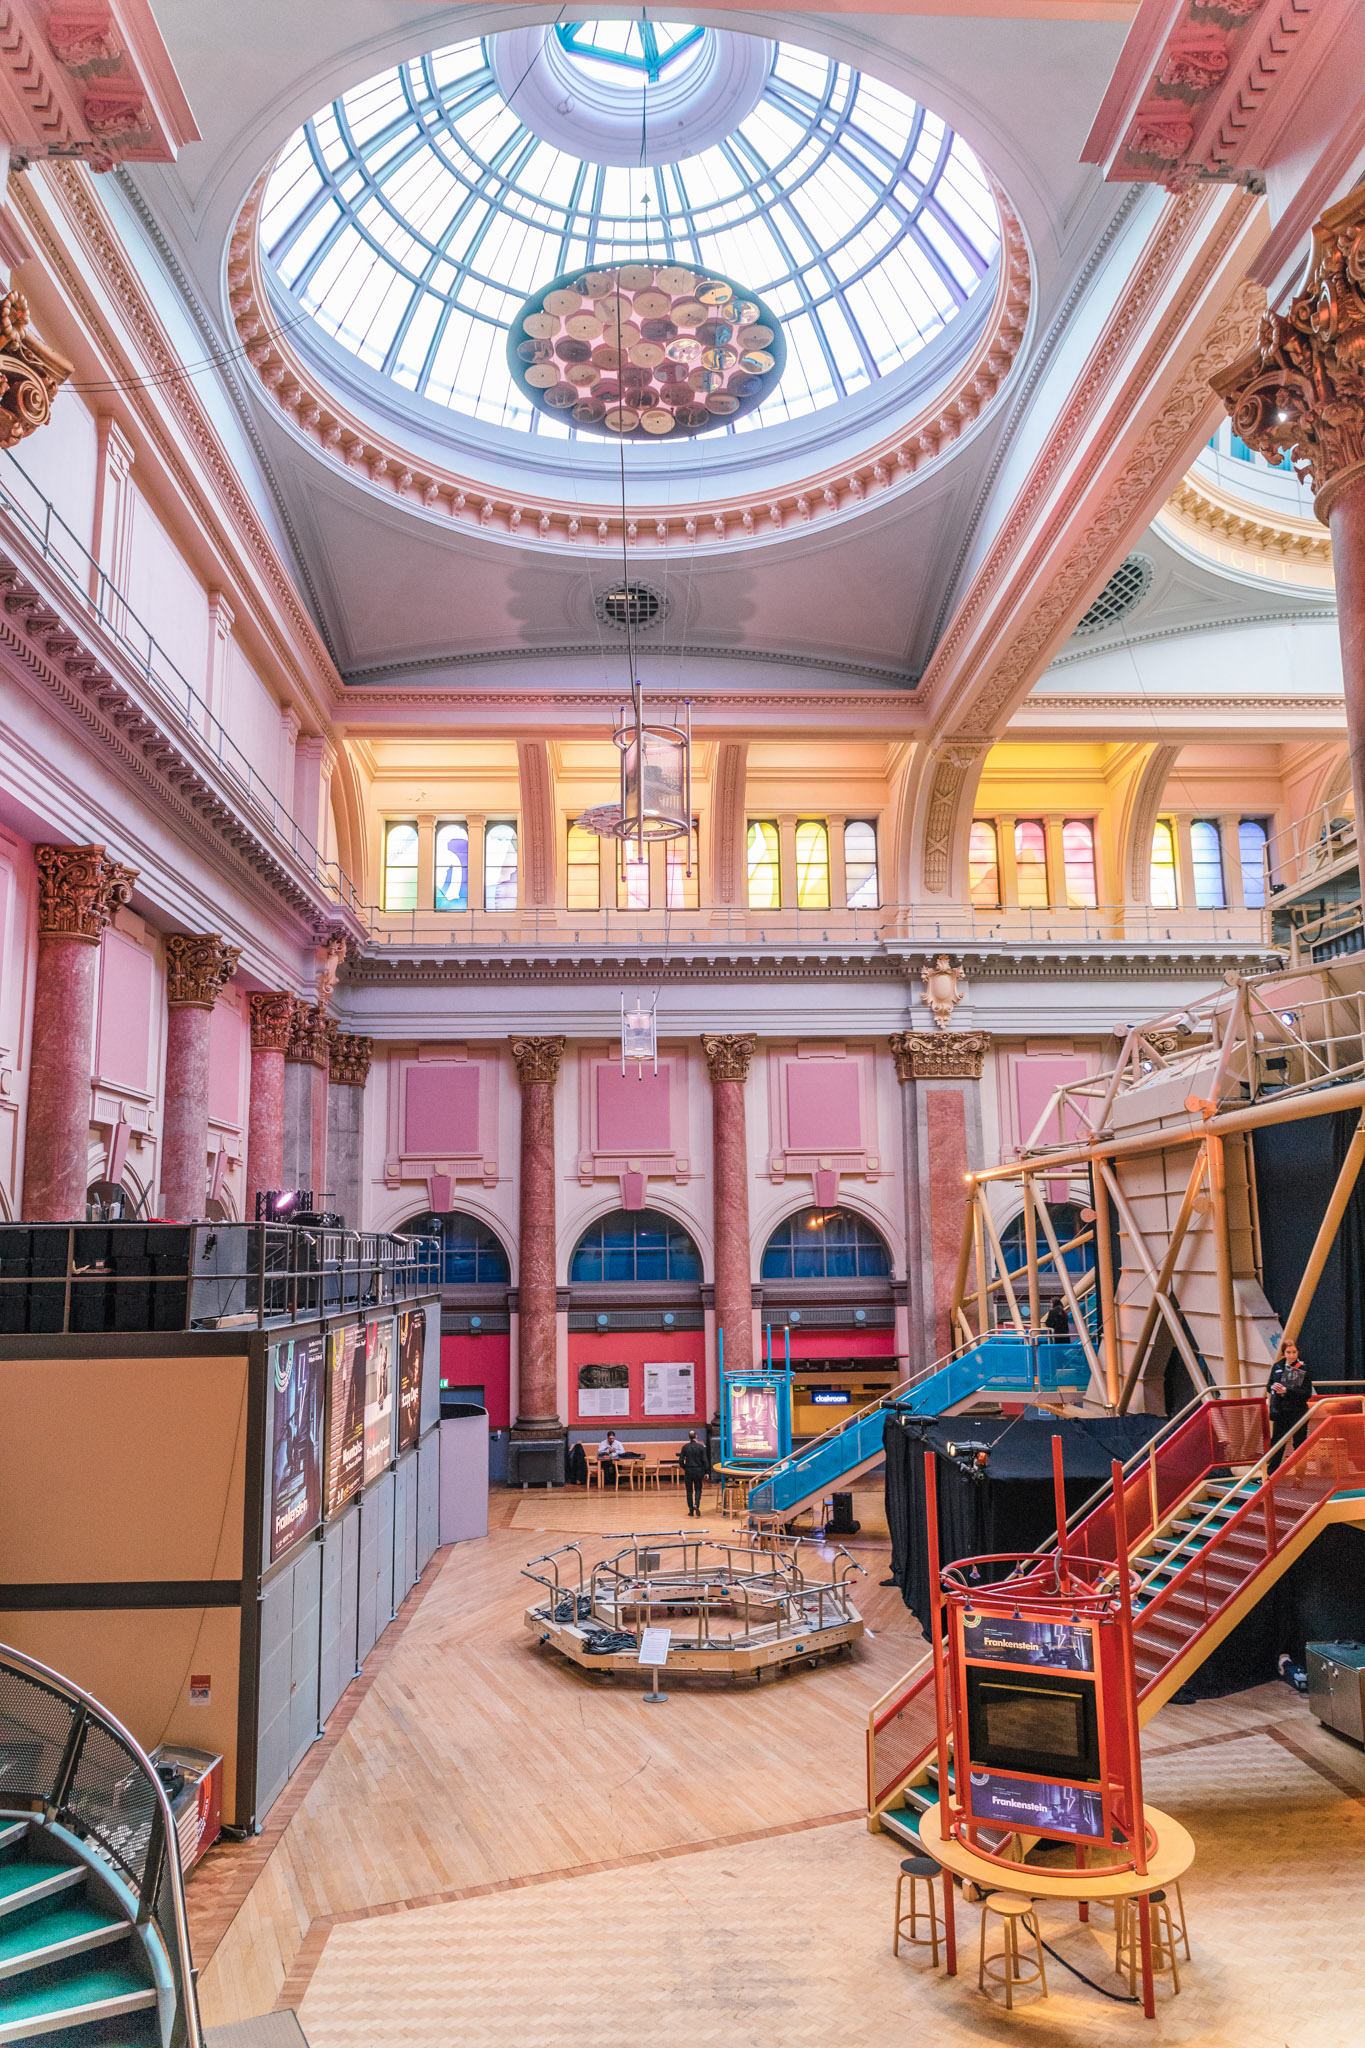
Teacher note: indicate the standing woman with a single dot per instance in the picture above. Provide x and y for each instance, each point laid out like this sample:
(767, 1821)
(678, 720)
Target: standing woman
(1290, 1389)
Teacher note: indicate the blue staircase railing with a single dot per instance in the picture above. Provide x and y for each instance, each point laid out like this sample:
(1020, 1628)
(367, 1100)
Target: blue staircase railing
(1003, 1363)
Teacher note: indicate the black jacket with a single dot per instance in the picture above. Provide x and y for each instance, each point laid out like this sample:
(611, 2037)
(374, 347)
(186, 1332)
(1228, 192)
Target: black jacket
(1289, 1403)
(694, 1460)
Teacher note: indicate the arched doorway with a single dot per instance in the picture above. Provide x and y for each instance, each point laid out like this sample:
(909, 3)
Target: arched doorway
(829, 1296)
(636, 1328)
(476, 1343)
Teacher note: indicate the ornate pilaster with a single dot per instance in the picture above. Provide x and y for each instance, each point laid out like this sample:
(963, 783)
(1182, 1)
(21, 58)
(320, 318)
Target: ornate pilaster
(728, 1054)
(272, 1027)
(272, 1021)
(348, 1069)
(728, 1057)
(308, 1040)
(30, 373)
(79, 891)
(939, 1055)
(198, 969)
(538, 1062)
(348, 1063)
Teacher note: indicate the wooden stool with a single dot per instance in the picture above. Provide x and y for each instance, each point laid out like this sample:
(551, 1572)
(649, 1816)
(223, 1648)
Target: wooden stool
(1167, 1931)
(921, 1870)
(1015, 1910)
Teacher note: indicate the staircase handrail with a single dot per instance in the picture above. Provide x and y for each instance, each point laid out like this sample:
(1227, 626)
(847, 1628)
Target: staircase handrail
(162, 1861)
(1289, 1457)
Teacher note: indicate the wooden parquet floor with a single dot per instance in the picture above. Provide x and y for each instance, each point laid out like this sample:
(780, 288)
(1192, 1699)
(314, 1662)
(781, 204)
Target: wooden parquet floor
(497, 1849)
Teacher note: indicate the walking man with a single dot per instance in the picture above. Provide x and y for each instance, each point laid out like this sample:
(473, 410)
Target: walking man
(695, 1467)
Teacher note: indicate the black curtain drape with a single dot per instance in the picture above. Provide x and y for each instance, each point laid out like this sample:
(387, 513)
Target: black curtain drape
(1296, 1169)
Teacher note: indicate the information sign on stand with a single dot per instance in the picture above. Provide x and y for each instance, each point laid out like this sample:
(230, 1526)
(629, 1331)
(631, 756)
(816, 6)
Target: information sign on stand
(654, 1645)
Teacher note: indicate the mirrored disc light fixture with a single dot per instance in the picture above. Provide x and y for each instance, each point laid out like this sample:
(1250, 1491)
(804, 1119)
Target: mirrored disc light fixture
(646, 350)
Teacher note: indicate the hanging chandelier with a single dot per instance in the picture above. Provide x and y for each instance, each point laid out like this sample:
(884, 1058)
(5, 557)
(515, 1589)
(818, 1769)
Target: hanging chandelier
(646, 350)
(656, 779)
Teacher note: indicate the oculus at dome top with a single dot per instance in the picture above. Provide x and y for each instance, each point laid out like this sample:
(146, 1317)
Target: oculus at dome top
(417, 220)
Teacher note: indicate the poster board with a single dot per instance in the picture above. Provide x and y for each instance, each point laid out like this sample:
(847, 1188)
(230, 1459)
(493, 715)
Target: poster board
(379, 1389)
(754, 1428)
(412, 1340)
(603, 1390)
(671, 1388)
(297, 1373)
(345, 1415)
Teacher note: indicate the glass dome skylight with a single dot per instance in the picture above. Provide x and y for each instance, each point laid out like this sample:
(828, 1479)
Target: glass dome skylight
(413, 216)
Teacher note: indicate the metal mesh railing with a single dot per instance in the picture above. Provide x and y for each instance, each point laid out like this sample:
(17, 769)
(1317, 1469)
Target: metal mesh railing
(901, 1730)
(66, 1761)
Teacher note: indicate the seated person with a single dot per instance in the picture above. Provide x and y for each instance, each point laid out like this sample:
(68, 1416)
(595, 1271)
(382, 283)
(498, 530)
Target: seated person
(610, 1452)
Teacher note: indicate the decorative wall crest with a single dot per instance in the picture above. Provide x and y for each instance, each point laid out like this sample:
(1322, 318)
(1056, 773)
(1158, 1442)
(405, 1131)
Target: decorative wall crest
(944, 988)
(198, 968)
(30, 373)
(79, 890)
(272, 1021)
(538, 1060)
(1301, 387)
(728, 1054)
(939, 1055)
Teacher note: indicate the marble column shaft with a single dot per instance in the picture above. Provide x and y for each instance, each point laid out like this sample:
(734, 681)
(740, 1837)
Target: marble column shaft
(196, 970)
(538, 1061)
(728, 1057)
(1347, 523)
(272, 1019)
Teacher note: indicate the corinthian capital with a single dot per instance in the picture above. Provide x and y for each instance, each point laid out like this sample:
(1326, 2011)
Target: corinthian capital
(198, 968)
(348, 1064)
(79, 889)
(272, 1021)
(728, 1054)
(538, 1060)
(308, 1040)
(30, 373)
(1301, 389)
(939, 1055)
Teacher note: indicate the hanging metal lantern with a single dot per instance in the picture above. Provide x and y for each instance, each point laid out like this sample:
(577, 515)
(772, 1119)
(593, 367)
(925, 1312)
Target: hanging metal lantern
(656, 781)
(639, 1033)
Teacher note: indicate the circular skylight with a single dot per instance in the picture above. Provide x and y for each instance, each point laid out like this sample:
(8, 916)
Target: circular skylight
(413, 217)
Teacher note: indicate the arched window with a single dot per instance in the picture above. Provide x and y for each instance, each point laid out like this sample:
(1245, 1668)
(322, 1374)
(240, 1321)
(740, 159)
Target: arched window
(983, 865)
(1065, 1219)
(860, 864)
(471, 1256)
(635, 1244)
(1163, 890)
(1251, 845)
(825, 1244)
(764, 864)
(400, 865)
(452, 865)
(1206, 854)
(1078, 860)
(812, 864)
(1030, 863)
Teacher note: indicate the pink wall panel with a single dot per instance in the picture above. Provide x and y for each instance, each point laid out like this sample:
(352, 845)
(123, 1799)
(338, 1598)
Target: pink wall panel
(123, 1043)
(226, 1027)
(822, 1106)
(1034, 1080)
(441, 1108)
(632, 1115)
(637, 1348)
(474, 1361)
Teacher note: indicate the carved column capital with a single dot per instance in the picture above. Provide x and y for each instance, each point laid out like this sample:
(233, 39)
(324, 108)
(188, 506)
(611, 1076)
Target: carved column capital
(939, 1055)
(308, 1040)
(79, 887)
(30, 373)
(198, 968)
(538, 1060)
(728, 1054)
(348, 1064)
(272, 1021)
(1301, 388)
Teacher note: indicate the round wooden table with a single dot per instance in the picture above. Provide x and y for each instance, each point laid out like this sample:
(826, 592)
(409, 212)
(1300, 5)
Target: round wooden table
(1171, 1858)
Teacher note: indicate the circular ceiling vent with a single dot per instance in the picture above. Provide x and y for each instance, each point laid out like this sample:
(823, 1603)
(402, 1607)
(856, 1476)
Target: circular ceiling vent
(631, 606)
(1125, 589)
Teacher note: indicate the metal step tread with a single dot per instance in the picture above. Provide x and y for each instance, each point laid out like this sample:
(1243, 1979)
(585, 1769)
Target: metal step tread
(69, 1995)
(44, 1933)
(28, 1878)
(902, 1824)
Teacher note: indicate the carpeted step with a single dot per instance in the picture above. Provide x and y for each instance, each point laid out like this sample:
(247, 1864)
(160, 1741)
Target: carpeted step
(77, 1993)
(53, 1930)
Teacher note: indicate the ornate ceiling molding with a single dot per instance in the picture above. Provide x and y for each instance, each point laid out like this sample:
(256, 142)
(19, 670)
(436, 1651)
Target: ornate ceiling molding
(1218, 515)
(896, 679)
(92, 80)
(1068, 704)
(317, 414)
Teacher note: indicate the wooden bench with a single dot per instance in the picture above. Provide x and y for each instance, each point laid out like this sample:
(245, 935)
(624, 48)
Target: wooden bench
(659, 1462)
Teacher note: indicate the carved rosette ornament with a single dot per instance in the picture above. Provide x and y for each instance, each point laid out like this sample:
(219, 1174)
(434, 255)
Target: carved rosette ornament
(348, 1064)
(272, 1021)
(30, 373)
(308, 1040)
(939, 1055)
(1301, 388)
(538, 1060)
(79, 889)
(728, 1054)
(943, 988)
(198, 968)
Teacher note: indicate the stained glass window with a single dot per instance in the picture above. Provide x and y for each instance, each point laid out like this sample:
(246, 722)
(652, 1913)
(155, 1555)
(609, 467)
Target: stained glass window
(1078, 862)
(983, 865)
(1030, 863)
(452, 865)
(812, 864)
(500, 866)
(1164, 893)
(584, 890)
(765, 867)
(400, 866)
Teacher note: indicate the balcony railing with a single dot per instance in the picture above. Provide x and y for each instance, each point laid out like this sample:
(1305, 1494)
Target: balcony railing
(1312, 849)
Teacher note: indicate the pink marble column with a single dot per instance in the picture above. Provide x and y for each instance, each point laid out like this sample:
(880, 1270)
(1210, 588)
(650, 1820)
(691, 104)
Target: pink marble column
(728, 1058)
(272, 1024)
(196, 971)
(308, 1049)
(1347, 523)
(538, 1061)
(79, 890)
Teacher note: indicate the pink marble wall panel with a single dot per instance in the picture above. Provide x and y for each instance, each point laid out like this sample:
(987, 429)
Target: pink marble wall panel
(945, 1118)
(822, 1106)
(123, 1032)
(633, 1115)
(227, 1031)
(441, 1109)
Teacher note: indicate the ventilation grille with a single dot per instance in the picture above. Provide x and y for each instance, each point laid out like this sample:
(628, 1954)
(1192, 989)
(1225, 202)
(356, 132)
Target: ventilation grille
(874, 1317)
(459, 1322)
(636, 606)
(1125, 590)
(634, 1319)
